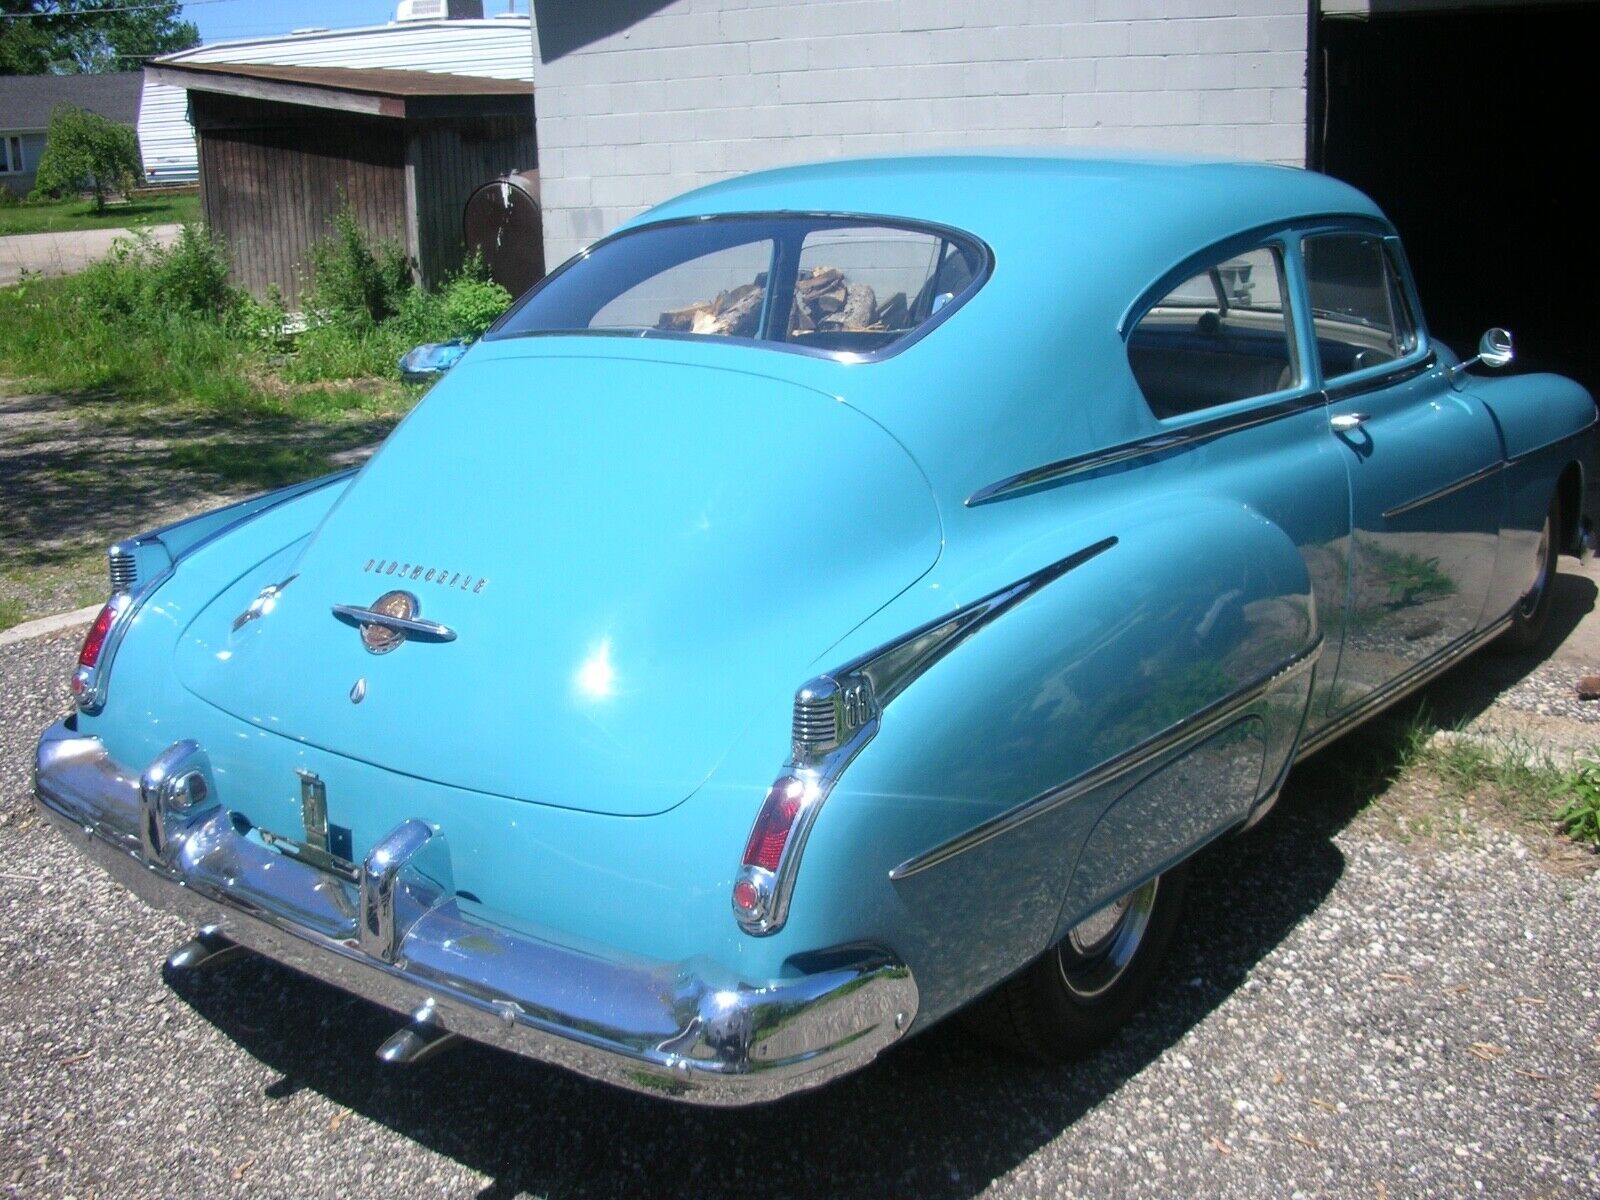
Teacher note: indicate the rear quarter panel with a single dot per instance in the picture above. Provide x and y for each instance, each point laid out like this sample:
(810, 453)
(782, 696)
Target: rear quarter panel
(1118, 651)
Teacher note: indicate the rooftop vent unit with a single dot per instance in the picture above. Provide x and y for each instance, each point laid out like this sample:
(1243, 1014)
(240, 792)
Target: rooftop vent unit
(439, 10)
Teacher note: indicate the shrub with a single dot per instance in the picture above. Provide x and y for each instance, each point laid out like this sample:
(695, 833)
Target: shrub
(84, 149)
(147, 282)
(7, 197)
(354, 280)
(472, 302)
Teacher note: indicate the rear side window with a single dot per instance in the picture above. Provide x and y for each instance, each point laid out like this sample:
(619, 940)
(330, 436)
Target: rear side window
(840, 285)
(1218, 337)
(1358, 307)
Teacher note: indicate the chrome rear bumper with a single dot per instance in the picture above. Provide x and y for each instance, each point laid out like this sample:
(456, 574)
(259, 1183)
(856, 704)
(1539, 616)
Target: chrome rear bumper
(396, 935)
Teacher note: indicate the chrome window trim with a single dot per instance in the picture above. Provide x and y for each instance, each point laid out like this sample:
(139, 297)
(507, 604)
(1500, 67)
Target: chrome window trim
(1465, 481)
(1155, 443)
(1219, 712)
(1418, 363)
(496, 333)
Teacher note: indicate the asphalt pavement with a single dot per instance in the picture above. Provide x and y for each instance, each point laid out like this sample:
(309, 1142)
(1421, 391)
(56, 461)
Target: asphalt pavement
(1345, 1014)
(63, 253)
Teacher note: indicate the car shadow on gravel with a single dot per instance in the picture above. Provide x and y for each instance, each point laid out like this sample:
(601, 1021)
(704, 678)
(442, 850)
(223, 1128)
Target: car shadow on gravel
(940, 1116)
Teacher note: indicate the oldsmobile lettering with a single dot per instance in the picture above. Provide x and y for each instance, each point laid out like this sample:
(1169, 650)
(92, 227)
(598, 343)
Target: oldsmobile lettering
(422, 573)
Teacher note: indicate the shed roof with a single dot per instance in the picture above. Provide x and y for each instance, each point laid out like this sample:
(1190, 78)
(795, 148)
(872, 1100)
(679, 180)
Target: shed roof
(26, 101)
(378, 92)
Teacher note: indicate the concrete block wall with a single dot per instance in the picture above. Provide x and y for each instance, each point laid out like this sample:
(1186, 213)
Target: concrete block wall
(638, 100)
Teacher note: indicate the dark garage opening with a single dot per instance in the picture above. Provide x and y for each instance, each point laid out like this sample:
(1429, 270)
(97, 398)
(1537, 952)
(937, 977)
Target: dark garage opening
(1472, 130)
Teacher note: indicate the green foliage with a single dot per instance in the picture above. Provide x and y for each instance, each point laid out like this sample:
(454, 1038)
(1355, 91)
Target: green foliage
(355, 281)
(40, 37)
(84, 149)
(1579, 817)
(146, 283)
(43, 215)
(8, 198)
(472, 301)
(11, 612)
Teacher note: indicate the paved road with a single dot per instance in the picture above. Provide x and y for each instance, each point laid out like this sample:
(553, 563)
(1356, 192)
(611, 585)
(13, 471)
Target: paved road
(63, 253)
(1344, 1015)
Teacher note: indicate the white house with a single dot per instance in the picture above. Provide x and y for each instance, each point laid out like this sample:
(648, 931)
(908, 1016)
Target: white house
(417, 40)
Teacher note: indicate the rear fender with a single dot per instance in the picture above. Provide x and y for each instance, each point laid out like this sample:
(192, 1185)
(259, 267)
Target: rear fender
(987, 774)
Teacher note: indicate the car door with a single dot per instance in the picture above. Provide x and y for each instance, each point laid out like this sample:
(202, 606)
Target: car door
(1423, 460)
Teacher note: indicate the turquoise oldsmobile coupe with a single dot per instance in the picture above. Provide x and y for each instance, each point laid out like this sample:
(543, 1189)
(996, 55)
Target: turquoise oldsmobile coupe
(845, 596)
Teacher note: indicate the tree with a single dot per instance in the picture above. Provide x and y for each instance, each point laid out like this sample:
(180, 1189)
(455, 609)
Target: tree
(39, 37)
(83, 148)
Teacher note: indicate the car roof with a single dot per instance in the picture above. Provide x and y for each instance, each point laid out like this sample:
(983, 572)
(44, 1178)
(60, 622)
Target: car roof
(1160, 205)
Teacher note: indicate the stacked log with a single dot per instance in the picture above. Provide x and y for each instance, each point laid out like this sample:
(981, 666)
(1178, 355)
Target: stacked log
(824, 302)
(733, 313)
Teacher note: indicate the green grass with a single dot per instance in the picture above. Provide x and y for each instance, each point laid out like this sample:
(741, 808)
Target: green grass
(61, 216)
(1460, 776)
(155, 389)
(11, 612)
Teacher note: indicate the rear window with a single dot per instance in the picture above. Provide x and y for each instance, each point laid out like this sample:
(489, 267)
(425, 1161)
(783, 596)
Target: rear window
(836, 285)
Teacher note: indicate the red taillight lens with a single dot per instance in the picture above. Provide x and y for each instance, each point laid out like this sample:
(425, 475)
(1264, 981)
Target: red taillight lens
(774, 823)
(95, 642)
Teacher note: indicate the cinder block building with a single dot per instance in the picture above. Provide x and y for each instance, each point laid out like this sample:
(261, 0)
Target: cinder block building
(1457, 115)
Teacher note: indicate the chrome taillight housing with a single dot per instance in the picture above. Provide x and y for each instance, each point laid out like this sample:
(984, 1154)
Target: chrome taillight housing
(94, 659)
(835, 716)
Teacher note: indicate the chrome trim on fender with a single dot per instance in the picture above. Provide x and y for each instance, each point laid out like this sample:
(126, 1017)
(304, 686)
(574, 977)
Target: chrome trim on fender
(1550, 445)
(692, 1030)
(1400, 687)
(169, 551)
(881, 675)
(1466, 481)
(1158, 443)
(1218, 712)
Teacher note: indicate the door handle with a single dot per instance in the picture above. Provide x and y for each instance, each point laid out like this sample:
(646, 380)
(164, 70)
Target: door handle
(1346, 422)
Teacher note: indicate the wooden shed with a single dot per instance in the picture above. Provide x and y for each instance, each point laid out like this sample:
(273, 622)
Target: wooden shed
(283, 148)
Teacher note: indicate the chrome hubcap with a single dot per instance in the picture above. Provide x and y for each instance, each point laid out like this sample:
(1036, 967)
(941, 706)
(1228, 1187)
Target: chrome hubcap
(1098, 949)
(1530, 599)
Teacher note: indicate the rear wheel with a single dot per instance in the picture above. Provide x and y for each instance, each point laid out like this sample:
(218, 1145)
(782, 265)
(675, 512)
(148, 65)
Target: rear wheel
(1080, 993)
(1532, 613)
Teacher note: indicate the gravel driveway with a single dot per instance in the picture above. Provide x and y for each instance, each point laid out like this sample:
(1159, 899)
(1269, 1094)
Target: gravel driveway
(1344, 1015)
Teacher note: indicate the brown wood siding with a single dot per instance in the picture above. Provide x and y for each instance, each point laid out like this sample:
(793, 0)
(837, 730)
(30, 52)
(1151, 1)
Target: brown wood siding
(272, 176)
(449, 160)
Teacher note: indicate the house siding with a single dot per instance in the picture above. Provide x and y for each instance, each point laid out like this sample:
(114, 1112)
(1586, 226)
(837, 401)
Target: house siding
(702, 89)
(21, 183)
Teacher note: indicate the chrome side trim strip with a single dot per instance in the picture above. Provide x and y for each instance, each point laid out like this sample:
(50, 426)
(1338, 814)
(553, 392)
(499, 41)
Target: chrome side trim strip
(1399, 374)
(1218, 712)
(885, 672)
(1399, 688)
(1565, 437)
(1467, 481)
(1176, 439)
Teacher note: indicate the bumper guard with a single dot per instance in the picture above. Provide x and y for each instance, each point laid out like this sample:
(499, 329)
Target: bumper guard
(396, 936)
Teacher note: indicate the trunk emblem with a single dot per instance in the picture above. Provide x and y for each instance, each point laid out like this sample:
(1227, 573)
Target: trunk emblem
(392, 619)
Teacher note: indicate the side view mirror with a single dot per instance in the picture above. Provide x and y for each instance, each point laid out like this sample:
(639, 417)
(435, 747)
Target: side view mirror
(425, 363)
(1494, 351)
